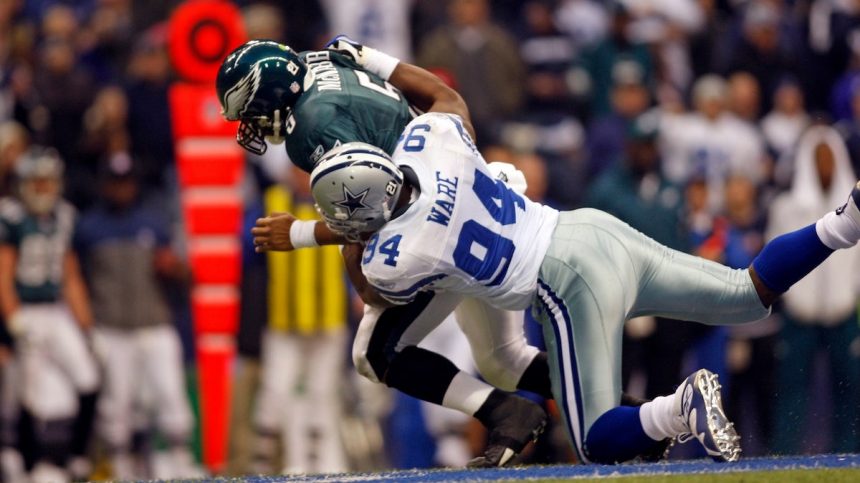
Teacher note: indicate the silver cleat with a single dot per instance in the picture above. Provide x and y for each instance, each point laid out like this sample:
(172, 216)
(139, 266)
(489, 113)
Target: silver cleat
(702, 410)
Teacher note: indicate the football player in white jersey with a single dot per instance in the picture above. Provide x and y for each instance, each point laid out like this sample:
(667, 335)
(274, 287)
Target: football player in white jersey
(386, 346)
(432, 218)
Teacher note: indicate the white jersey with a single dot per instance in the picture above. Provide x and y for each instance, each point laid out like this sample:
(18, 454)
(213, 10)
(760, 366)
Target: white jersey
(466, 232)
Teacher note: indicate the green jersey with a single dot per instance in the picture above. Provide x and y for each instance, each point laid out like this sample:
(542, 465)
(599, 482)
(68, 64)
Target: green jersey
(345, 103)
(41, 245)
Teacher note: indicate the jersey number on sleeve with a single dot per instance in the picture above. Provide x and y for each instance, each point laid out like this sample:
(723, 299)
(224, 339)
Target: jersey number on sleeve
(389, 248)
(414, 142)
(480, 252)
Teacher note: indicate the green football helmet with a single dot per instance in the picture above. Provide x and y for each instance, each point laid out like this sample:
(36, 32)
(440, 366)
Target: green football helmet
(258, 84)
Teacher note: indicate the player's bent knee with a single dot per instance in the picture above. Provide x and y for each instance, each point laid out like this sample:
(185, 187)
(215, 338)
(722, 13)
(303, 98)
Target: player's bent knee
(363, 365)
(504, 367)
(495, 373)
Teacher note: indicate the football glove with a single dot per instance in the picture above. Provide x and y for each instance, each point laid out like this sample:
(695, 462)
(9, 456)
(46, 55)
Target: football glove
(510, 175)
(346, 46)
(371, 59)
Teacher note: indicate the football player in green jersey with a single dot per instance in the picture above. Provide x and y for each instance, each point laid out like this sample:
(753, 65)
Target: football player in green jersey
(44, 302)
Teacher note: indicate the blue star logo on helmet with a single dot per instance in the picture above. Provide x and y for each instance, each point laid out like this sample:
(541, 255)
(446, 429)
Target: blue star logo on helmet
(353, 202)
(237, 99)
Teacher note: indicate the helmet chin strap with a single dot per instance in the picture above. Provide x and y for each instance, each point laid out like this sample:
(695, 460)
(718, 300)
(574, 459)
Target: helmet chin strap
(276, 137)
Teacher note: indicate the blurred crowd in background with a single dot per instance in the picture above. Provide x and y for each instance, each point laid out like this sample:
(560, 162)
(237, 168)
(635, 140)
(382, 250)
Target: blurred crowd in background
(709, 125)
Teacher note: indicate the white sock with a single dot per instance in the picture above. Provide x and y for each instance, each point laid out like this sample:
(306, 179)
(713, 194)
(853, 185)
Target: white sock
(661, 418)
(838, 231)
(466, 394)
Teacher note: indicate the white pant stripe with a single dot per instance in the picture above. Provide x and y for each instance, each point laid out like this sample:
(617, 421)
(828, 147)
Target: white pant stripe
(566, 366)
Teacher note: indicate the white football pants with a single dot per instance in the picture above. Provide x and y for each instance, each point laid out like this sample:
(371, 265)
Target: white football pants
(55, 363)
(142, 365)
(299, 398)
(496, 337)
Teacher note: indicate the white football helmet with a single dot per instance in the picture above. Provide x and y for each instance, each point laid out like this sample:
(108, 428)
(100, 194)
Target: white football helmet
(356, 187)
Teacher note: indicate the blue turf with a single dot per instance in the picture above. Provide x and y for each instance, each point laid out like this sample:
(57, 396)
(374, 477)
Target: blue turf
(582, 471)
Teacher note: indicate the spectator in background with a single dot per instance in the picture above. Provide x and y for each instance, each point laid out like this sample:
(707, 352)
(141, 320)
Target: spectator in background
(834, 60)
(14, 141)
(106, 39)
(783, 125)
(849, 128)
(598, 62)
(711, 142)
(607, 133)
(667, 25)
(14, 44)
(304, 349)
(636, 191)
(745, 97)
(382, 24)
(126, 249)
(64, 90)
(149, 121)
(821, 310)
(60, 22)
(586, 22)
(707, 43)
(44, 302)
(303, 22)
(484, 60)
(263, 21)
(767, 48)
(105, 134)
(534, 169)
(547, 54)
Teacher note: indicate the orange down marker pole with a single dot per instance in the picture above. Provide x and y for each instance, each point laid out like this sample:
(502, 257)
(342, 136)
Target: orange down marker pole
(209, 165)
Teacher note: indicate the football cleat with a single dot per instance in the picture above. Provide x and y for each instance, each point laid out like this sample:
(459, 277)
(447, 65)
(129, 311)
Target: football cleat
(850, 208)
(513, 424)
(702, 412)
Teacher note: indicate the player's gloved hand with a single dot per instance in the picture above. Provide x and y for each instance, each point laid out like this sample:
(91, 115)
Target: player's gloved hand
(510, 175)
(346, 46)
(371, 59)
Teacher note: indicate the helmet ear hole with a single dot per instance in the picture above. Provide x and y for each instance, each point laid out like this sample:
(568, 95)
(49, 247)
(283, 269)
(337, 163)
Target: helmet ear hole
(359, 191)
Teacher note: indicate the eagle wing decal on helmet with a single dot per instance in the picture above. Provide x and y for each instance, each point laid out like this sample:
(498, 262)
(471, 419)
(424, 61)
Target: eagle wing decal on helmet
(236, 99)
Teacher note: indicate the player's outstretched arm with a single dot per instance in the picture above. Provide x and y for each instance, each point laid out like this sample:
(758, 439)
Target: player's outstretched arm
(422, 88)
(282, 232)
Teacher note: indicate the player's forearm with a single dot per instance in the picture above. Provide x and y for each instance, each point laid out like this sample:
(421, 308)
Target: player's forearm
(324, 236)
(75, 292)
(352, 253)
(427, 92)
